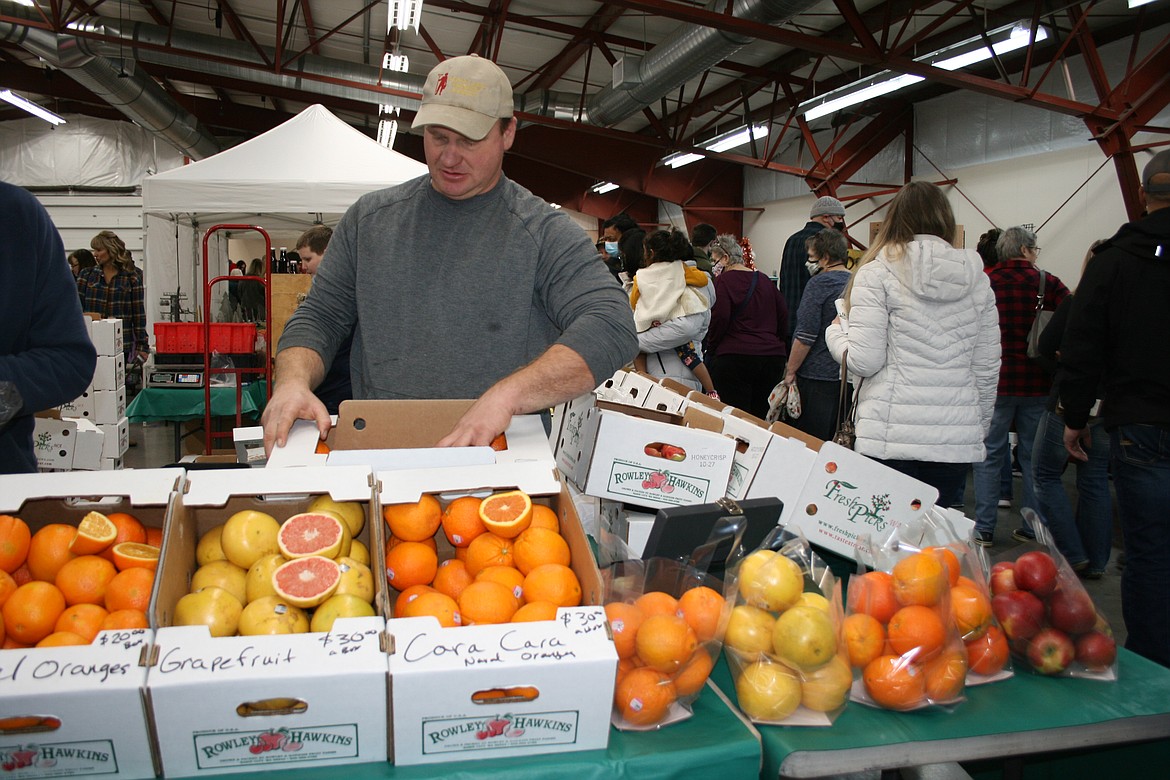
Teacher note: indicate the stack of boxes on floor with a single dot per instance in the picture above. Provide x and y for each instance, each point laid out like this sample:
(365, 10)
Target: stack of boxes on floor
(96, 421)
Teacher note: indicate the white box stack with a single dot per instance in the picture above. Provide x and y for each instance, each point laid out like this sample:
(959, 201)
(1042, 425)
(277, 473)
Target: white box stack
(103, 403)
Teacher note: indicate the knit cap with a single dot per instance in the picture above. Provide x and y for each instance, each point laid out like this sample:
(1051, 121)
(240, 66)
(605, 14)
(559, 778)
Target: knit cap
(1160, 167)
(827, 205)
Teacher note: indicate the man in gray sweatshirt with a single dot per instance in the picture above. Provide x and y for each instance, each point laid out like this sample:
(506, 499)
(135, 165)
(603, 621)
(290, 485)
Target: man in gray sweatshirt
(458, 284)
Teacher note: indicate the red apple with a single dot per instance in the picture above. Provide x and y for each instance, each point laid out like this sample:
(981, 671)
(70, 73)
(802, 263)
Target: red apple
(1036, 572)
(1097, 651)
(1071, 611)
(1019, 613)
(1051, 651)
(1003, 577)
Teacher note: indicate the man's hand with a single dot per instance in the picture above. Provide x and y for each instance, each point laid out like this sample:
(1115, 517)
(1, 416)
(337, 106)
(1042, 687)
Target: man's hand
(484, 421)
(1075, 441)
(298, 371)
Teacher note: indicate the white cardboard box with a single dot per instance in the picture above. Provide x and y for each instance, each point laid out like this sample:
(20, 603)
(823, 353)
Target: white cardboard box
(109, 373)
(63, 445)
(437, 674)
(82, 406)
(106, 336)
(607, 456)
(783, 470)
(848, 496)
(117, 438)
(109, 406)
(203, 689)
(94, 693)
(89, 446)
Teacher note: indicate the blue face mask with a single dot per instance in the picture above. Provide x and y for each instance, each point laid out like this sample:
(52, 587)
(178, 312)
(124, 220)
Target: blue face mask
(611, 248)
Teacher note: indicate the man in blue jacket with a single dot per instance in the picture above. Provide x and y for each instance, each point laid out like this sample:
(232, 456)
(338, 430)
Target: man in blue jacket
(1115, 339)
(46, 356)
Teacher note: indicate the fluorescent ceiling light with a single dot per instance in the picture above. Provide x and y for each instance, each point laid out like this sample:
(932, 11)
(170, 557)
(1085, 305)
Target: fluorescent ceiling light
(603, 187)
(31, 107)
(734, 138)
(960, 55)
(399, 63)
(679, 159)
(1136, 3)
(881, 84)
(403, 14)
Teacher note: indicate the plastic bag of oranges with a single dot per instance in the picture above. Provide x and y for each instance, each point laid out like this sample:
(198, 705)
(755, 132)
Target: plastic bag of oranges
(667, 618)
(783, 641)
(909, 621)
(1052, 625)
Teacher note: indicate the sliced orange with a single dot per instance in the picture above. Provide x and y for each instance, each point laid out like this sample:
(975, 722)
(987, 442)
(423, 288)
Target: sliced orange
(508, 514)
(95, 533)
(129, 555)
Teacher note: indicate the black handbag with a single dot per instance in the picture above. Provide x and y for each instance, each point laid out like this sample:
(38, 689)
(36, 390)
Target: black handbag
(846, 435)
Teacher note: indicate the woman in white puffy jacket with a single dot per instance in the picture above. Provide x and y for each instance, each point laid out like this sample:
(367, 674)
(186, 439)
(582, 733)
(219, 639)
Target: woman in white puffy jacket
(922, 334)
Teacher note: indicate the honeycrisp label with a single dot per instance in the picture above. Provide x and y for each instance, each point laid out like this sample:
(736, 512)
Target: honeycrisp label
(216, 750)
(498, 731)
(660, 485)
(58, 759)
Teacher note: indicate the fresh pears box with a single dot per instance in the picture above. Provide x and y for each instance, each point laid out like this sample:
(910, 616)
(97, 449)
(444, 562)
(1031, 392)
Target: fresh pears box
(223, 703)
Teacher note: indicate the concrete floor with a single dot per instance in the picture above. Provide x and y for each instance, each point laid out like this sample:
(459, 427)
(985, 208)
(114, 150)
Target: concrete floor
(154, 447)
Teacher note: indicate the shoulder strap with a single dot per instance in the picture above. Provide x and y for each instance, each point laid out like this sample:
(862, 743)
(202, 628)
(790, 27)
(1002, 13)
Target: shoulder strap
(1040, 294)
(751, 291)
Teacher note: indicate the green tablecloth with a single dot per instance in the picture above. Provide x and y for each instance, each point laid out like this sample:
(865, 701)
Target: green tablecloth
(715, 742)
(1026, 714)
(177, 404)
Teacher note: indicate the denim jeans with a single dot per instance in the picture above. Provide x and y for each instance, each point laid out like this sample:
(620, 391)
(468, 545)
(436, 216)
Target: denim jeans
(1141, 477)
(1085, 535)
(1025, 411)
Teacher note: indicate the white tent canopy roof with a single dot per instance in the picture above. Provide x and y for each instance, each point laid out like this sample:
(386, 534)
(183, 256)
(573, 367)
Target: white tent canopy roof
(313, 163)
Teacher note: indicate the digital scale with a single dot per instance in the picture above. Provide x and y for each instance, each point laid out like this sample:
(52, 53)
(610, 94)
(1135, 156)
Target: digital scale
(185, 375)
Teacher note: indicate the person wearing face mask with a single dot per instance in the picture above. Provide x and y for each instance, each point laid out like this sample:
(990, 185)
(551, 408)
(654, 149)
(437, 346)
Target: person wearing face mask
(609, 254)
(826, 212)
(810, 366)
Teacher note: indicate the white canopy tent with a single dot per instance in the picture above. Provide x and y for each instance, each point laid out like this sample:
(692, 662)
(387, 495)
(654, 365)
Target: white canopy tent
(309, 169)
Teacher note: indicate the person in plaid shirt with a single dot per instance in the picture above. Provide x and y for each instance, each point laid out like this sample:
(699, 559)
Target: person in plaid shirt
(1024, 384)
(114, 290)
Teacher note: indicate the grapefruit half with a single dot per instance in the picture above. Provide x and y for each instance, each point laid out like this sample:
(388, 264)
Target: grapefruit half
(311, 533)
(306, 582)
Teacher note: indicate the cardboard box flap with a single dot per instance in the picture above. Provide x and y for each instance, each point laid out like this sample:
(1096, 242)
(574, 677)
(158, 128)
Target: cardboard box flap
(694, 417)
(675, 386)
(141, 486)
(788, 432)
(215, 487)
(409, 485)
(381, 425)
(637, 411)
(702, 399)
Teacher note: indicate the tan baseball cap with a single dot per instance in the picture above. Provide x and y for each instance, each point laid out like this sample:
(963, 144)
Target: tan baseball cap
(467, 94)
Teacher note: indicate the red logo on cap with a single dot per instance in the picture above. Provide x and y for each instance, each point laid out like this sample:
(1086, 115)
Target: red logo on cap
(441, 85)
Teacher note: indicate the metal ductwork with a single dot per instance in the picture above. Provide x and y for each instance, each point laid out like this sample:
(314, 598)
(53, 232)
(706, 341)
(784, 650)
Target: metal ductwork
(686, 52)
(135, 94)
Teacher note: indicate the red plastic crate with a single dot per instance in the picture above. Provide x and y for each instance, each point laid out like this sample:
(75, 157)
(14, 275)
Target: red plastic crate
(232, 338)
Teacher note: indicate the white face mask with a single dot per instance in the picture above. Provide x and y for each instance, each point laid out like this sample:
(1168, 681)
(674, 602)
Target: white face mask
(813, 267)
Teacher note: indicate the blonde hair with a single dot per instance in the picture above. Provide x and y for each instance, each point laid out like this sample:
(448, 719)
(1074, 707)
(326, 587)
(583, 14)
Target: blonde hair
(116, 247)
(919, 208)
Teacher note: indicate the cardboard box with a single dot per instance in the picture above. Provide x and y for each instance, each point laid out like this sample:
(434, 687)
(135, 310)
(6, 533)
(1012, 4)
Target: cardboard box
(62, 445)
(106, 336)
(117, 438)
(630, 525)
(82, 406)
(607, 456)
(399, 436)
(88, 699)
(89, 446)
(751, 436)
(436, 673)
(848, 497)
(238, 704)
(110, 372)
(109, 406)
(249, 444)
(112, 464)
(550, 685)
(784, 469)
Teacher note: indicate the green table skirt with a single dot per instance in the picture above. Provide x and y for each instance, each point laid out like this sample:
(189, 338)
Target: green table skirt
(177, 404)
(1027, 714)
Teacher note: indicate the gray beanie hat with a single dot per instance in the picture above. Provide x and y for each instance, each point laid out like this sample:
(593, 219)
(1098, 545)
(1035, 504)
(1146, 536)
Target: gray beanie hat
(827, 205)
(1159, 167)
